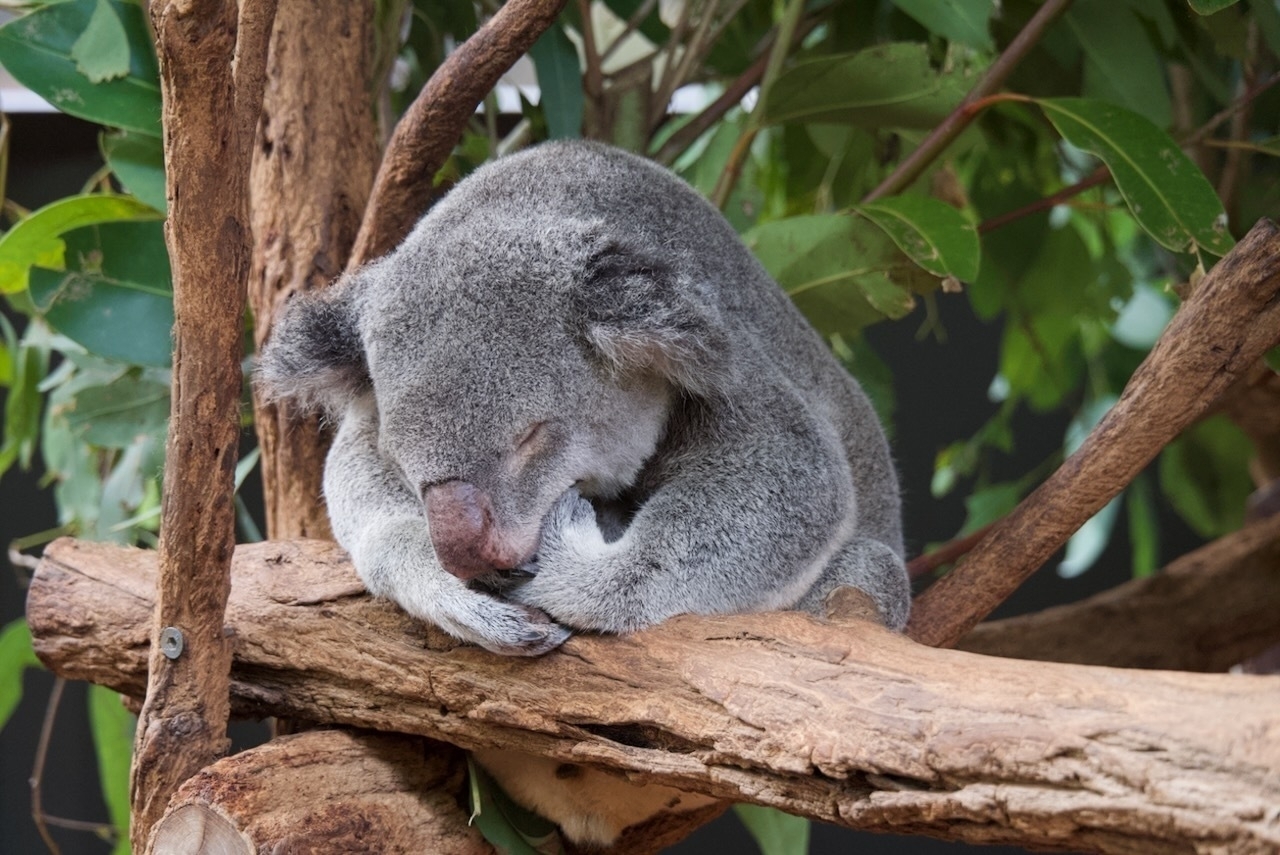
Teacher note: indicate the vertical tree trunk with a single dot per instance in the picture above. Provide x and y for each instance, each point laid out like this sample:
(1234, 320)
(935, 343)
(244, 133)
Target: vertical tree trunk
(313, 167)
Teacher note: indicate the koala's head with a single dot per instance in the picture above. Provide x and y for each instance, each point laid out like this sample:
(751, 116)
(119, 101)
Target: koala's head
(508, 362)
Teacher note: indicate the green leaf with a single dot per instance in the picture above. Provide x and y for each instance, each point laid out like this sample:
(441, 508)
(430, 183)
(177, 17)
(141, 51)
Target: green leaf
(988, 504)
(1167, 194)
(1208, 7)
(113, 729)
(841, 271)
(1205, 475)
(102, 51)
(115, 415)
(23, 404)
(37, 49)
(37, 239)
(560, 79)
(115, 299)
(1144, 527)
(138, 161)
(509, 827)
(935, 235)
(1121, 65)
(775, 832)
(16, 656)
(963, 21)
(887, 86)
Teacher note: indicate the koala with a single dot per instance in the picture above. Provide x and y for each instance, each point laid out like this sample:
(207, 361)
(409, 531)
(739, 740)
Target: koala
(572, 400)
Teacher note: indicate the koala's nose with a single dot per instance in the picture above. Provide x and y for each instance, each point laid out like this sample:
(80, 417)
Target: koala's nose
(460, 517)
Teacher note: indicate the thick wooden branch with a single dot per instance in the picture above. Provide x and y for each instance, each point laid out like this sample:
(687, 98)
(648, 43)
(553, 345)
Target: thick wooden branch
(431, 127)
(313, 167)
(211, 56)
(324, 791)
(843, 723)
(1221, 330)
(1207, 611)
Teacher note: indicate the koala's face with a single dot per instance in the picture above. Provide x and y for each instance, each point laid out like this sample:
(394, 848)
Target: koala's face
(491, 410)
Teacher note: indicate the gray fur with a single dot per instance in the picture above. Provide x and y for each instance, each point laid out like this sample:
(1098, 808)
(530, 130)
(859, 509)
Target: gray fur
(700, 450)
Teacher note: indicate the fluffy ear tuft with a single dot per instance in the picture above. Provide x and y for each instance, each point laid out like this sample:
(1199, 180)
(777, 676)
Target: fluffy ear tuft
(639, 314)
(314, 355)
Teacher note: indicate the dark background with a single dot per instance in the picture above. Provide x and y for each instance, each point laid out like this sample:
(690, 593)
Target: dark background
(941, 397)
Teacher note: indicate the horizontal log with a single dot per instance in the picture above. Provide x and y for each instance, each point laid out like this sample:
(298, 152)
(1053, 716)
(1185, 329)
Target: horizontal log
(1207, 611)
(847, 723)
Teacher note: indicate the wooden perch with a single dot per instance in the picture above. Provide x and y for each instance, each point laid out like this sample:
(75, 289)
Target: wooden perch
(324, 791)
(1221, 330)
(432, 125)
(848, 724)
(1207, 611)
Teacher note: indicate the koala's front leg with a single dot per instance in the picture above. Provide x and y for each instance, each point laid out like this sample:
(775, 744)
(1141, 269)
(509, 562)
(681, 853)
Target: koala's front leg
(382, 525)
(751, 525)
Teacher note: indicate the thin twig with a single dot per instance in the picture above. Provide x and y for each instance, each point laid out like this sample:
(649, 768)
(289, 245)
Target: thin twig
(733, 94)
(37, 768)
(947, 553)
(632, 23)
(960, 118)
(1230, 110)
(591, 78)
(1099, 176)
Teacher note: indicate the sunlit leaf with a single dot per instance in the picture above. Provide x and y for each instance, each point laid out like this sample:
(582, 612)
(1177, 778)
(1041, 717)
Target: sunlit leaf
(963, 21)
(113, 729)
(935, 235)
(16, 656)
(560, 79)
(840, 270)
(102, 50)
(1167, 194)
(886, 86)
(37, 50)
(37, 240)
(775, 832)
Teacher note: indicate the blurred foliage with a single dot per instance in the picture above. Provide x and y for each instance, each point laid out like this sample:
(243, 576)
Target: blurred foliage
(1130, 144)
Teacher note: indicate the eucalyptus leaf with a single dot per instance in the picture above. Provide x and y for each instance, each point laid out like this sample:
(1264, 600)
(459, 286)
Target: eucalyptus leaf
(1208, 7)
(932, 233)
(886, 86)
(116, 415)
(512, 829)
(113, 729)
(775, 832)
(102, 50)
(23, 404)
(1205, 475)
(963, 21)
(1144, 527)
(1167, 194)
(39, 50)
(37, 240)
(560, 79)
(138, 161)
(841, 271)
(16, 656)
(1122, 65)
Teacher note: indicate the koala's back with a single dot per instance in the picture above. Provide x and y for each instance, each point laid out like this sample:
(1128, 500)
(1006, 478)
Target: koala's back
(545, 186)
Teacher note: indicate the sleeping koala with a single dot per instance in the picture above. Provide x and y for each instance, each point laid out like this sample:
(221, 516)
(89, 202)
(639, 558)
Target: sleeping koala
(573, 400)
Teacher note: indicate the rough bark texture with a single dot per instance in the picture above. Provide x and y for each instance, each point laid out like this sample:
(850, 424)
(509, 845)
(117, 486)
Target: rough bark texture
(212, 89)
(1207, 611)
(431, 127)
(849, 723)
(324, 791)
(313, 169)
(1221, 330)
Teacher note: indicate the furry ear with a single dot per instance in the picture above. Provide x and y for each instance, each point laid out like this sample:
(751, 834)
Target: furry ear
(639, 314)
(314, 355)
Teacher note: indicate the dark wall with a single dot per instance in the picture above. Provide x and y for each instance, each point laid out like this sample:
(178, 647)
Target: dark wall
(941, 394)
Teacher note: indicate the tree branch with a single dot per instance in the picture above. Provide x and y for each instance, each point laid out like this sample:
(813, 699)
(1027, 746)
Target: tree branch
(962, 116)
(848, 723)
(1231, 319)
(208, 136)
(430, 128)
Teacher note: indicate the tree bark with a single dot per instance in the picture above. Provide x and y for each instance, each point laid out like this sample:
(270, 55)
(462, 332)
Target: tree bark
(324, 791)
(849, 724)
(313, 168)
(211, 65)
(1221, 330)
(1207, 611)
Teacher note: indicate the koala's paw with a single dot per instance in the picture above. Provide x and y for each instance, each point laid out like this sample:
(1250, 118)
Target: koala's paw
(512, 629)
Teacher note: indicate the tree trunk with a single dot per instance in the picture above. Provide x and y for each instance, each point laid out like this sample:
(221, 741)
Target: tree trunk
(849, 724)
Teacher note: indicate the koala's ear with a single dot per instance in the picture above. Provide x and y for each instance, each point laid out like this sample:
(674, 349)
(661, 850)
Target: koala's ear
(314, 355)
(639, 314)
